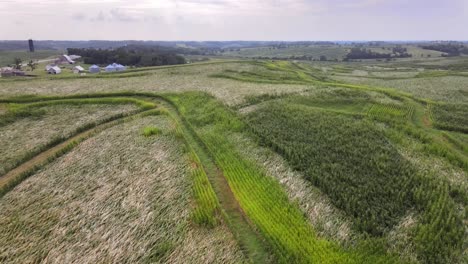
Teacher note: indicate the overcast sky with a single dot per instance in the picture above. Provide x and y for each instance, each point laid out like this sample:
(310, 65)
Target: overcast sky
(234, 19)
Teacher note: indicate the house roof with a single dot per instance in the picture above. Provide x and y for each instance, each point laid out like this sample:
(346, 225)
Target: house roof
(74, 57)
(56, 69)
(68, 58)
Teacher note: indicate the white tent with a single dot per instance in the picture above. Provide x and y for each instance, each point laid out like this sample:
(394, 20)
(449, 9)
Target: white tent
(78, 69)
(120, 67)
(110, 68)
(94, 69)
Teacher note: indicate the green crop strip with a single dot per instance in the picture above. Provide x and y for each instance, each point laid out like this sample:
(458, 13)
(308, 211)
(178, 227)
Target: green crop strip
(282, 224)
(398, 112)
(452, 117)
(207, 211)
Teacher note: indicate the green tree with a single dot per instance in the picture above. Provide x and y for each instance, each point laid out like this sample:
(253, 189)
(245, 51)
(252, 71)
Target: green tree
(18, 63)
(32, 65)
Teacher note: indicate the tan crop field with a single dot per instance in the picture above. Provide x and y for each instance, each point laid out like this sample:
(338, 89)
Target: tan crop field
(29, 134)
(118, 197)
(177, 79)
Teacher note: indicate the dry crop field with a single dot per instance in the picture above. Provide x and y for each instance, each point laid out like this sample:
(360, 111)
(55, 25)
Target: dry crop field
(237, 162)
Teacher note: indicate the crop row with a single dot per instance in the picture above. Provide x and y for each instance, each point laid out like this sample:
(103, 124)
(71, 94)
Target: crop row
(452, 117)
(392, 111)
(207, 208)
(345, 157)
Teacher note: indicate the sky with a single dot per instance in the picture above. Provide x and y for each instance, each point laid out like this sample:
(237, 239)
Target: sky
(288, 20)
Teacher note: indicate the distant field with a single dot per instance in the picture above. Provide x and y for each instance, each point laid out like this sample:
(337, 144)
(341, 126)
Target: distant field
(8, 57)
(331, 52)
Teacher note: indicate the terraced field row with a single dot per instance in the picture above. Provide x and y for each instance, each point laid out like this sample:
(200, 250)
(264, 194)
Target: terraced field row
(391, 111)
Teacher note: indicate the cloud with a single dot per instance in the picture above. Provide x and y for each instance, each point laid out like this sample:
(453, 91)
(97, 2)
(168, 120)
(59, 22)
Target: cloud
(79, 16)
(235, 19)
(123, 15)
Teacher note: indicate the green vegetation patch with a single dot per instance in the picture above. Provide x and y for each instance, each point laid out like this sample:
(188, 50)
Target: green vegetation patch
(151, 131)
(282, 224)
(352, 161)
(391, 111)
(451, 117)
(348, 158)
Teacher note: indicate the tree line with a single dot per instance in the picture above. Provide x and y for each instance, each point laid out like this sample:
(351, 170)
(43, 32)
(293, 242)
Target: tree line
(450, 50)
(130, 55)
(362, 53)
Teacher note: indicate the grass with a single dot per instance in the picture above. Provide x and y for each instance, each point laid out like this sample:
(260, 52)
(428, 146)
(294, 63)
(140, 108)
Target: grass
(331, 52)
(448, 88)
(8, 57)
(450, 117)
(151, 131)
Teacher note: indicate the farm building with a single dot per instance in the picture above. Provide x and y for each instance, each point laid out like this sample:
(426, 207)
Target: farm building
(78, 69)
(64, 59)
(94, 69)
(9, 72)
(110, 68)
(54, 70)
(74, 57)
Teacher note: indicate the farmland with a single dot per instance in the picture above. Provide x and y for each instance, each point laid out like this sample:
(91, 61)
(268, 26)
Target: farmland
(238, 161)
(8, 57)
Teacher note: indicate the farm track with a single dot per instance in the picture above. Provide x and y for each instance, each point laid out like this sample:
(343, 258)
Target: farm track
(248, 238)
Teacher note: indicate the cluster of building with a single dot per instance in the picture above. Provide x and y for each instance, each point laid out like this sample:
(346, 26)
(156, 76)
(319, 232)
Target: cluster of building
(64, 59)
(70, 59)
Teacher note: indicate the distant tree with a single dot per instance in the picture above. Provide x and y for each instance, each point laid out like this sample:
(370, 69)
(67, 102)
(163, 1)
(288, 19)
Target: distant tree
(323, 58)
(18, 63)
(32, 65)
